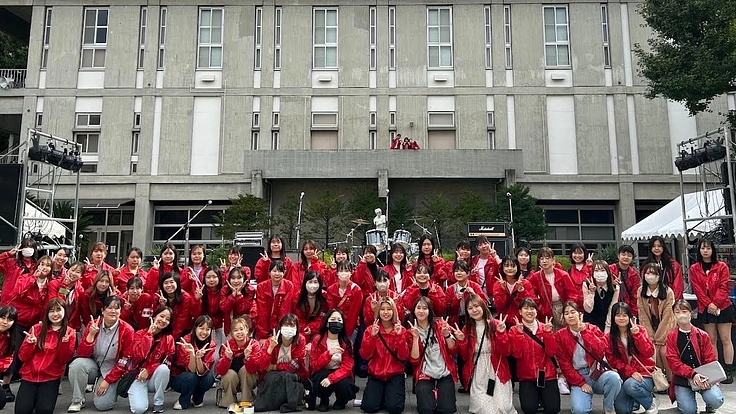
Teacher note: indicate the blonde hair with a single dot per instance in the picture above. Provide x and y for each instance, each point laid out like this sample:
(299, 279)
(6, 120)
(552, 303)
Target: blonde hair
(377, 312)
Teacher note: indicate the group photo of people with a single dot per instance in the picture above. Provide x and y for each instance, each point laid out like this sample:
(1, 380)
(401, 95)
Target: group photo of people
(294, 335)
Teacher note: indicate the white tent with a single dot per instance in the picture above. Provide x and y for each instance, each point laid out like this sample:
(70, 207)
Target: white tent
(45, 227)
(667, 221)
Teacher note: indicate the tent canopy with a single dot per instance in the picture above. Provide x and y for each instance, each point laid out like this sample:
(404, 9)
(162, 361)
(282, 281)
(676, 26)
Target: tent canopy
(667, 221)
(45, 227)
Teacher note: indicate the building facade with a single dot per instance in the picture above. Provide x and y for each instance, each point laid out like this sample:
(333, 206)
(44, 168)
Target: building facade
(176, 104)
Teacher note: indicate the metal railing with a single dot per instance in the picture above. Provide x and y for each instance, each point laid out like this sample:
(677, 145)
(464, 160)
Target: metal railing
(12, 78)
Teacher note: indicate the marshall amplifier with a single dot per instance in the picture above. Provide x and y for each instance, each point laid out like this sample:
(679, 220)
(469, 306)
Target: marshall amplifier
(497, 234)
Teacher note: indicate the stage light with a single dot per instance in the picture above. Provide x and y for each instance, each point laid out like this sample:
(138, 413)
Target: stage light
(709, 152)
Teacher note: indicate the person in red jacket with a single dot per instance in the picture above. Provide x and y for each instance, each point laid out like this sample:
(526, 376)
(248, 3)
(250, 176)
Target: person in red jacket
(95, 264)
(234, 259)
(386, 348)
(553, 287)
(423, 286)
(105, 351)
(396, 142)
(137, 305)
(240, 361)
(18, 261)
(463, 252)
(131, 269)
(58, 265)
(709, 278)
(346, 296)
(274, 251)
(367, 269)
(274, 299)
(30, 296)
(510, 289)
(535, 348)
(185, 307)
(311, 305)
(191, 374)
(167, 262)
(524, 257)
(284, 368)
(90, 303)
(399, 272)
(486, 264)
(69, 288)
(238, 297)
(47, 348)
(371, 302)
(8, 315)
(688, 348)
(580, 349)
(627, 277)
(152, 350)
(332, 363)
(459, 292)
(429, 255)
(309, 260)
(658, 253)
(213, 298)
(432, 346)
(581, 268)
(630, 353)
(192, 277)
(330, 276)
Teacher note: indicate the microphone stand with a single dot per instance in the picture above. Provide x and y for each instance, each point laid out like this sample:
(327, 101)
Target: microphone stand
(185, 227)
(299, 220)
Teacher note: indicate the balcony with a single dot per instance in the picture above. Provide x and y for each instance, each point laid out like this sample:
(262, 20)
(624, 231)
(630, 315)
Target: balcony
(361, 164)
(12, 78)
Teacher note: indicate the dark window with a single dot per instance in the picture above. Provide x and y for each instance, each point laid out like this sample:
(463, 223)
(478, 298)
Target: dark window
(596, 216)
(163, 233)
(171, 217)
(561, 216)
(205, 217)
(127, 219)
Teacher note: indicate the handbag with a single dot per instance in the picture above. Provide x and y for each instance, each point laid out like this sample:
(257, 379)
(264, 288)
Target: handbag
(712, 371)
(658, 377)
(127, 379)
(599, 367)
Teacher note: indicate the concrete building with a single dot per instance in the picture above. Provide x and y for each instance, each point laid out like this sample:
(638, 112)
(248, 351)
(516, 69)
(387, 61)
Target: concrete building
(180, 103)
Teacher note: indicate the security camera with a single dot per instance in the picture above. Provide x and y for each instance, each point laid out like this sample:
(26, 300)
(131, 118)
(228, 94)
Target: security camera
(508, 195)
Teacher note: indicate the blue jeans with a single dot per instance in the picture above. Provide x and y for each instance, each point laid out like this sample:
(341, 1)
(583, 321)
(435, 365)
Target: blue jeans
(686, 403)
(634, 393)
(156, 383)
(608, 385)
(192, 387)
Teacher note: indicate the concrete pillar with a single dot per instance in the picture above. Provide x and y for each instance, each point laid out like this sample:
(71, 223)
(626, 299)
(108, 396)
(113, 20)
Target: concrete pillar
(625, 209)
(256, 183)
(143, 222)
(382, 182)
(510, 176)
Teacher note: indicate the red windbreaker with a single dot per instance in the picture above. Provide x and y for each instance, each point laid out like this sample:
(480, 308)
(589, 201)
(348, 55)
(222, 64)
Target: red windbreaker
(407, 278)
(320, 357)
(701, 346)
(436, 296)
(6, 350)
(349, 304)
(262, 269)
(297, 271)
(151, 284)
(309, 325)
(215, 301)
(159, 350)
(369, 315)
(507, 303)
(271, 308)
(594, 341)
(500, 350)
(626, 366)
(90, 273)
(362, 277)
(9, 267)
(382, 364)
(190, 280)
(580, 276)
(491, 270)
(711, 288)
(252, 364)
(439, 274)
(181, 360)
(447, 353)
(628, 291)
(184, 314)
(530, 356)
(125, 347)
(29, 300)
(138, 313)
(124, 275)
(85, 309)
(49, 363)
(298, 358)
(563, 284)
(233, 306)
(76, 292)
(452, 303)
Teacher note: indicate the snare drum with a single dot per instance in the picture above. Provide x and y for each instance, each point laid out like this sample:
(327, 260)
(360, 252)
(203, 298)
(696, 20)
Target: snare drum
(376, 238)
(403, 237)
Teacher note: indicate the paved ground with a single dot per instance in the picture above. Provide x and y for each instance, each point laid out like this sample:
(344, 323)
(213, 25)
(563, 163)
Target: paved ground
(666, 407)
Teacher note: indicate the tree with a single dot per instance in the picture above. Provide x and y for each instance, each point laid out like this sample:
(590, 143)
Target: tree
(325, 214)
(437, 210)
(13, 52)
(65, 210)
(247, 213)
(400, 215)
(472, 206)
(529, 222)
(693, 55)
(286, 219)
(362, 205)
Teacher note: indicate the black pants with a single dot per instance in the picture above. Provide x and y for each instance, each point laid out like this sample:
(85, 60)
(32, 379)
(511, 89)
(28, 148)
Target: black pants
(361, 365)
(39, 396)
(460, 360)
(344, 389)
(17, 342)
(530, 396)
(444, 403)
(388, 395)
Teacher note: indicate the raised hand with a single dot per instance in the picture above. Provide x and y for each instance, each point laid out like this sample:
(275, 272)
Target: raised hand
(186, 346)
(94, 326)
(445, 327)
(264, 256)
(152, 328)
(589, 260)
(501, 280)
(436, 255)
(161, 298)
(14, 250)
(228, 350)
(398, 328)
(375, 328)
(273, 340)
(155, 264)
(66, 337)
(501, 326)
(198, 293)
(30, 337)
(202, 352)
(591, 284)
(413, 329)
(87, 265)
(634, 327)
(519, 326)
(548, 324)
(492, 250)
(458, 333)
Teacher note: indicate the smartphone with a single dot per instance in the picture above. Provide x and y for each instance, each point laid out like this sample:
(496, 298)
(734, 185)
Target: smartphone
(540, 378)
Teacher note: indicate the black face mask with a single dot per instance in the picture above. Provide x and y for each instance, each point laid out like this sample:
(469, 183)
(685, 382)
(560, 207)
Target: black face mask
(334, 327)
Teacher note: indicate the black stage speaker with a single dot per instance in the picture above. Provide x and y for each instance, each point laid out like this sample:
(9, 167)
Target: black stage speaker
(495, 232)
(251, 254)
(9, 202)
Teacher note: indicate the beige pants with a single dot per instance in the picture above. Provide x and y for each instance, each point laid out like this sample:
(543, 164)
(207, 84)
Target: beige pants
(558, 321)
(231, 381)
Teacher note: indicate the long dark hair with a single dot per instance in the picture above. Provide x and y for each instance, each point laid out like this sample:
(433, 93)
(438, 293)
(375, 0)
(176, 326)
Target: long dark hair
(430, 317)
(206, 291)
(27, 242)
(269, 253)
(661, 286)
(581, 247)
(470, 322)
(372, 267)
(622, 307)
(422, 257)
(397, 247)
(304, 261)
(53, 304)
(11, 313)
(320, 303)
(291, 319)
(204, 255)
(342, 337)
(94, 294)
(170, 326)
(175, 264)
(706, 242)
(513, 260)
(234, 271)
(177, 293)
(666, 264)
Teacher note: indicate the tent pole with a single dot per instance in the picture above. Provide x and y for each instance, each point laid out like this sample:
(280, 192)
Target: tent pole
(729, 167)
(684, 259)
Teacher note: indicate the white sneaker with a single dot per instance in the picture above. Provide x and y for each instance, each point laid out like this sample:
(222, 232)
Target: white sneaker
(76, 407)
(89, 388)
(178, 406)
(654, 409)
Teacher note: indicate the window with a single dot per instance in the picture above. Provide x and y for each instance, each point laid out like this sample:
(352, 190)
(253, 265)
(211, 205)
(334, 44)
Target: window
(439, 37)
(324, 120)
(487, 32)
(372, 38)
(594, 226)
(136, 120)
(372, 119)
(604, 32)
(94, 38)
(254, 137)
(134, 168)
(372, 140)
(256, 122)
(88, 120)
(168, 219)
(89, 141)
(276, 120)
(392, 118)
(441, 119)
(556, 36)
(277, 38)
(257, 39)
(490, 119)
(325, 38)
(210, 38)
(162, 38)
(135, 143)
(274, 140)
(392, 38)
(88, 168)
(491, 139)
(142, 37)
(508, 62)
(39, 119)
(46, 38)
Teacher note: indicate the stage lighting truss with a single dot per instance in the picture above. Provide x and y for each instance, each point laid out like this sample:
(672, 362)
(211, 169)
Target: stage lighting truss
(67, 158)
(710, 151)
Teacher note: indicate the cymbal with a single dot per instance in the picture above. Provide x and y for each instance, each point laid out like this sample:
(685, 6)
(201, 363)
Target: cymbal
(360, 221)
(417, 218)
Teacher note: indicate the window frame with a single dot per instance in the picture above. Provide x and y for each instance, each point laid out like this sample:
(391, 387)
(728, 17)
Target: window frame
(557, 44)
(210, 46)
(46, 37)
(95, 47)
(277, 23)
(449, 126)
(258, 38)
(392, 38)
(372, 138)
(507, 48)
(275, 140)
(487, 36)
(372, 36)
(135, 143)
(439, 44)
(606, 36)
(84, 146)
(163, 20)
(255, 136)
(142, 33)
(326, 45)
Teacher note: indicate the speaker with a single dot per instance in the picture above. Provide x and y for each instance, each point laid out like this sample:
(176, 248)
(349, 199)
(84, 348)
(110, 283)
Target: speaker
(9, 202)
(495, 232)
(251, 254)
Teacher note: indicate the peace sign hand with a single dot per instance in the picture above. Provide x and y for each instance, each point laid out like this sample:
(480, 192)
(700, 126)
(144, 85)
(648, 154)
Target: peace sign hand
(548, 324)
(155, 264)
(375, 329)
(458, 333)
(30, 337)
(501, 326)
(413, 329)
(589, 260)
(88, 265)
(634, 326)
(202, 352)
(198, 293)
(591, 284)
(94, 326)
(492, 250)
(228, 350)
(501, 280)
(14, 250)
(117, 270)
(519, 325)
(398, 328)
(264, 256)
(273, 341)
(186, 346)
(161, 298)
(446, 330)
(66, 337)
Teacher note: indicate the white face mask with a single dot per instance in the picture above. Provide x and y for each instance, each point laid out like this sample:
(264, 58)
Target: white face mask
(312, 287)
(651, 279)
(381, 286)
(343, 276)
(600, 276)
(27, 251)
(288, 332)
(682, 318)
